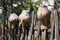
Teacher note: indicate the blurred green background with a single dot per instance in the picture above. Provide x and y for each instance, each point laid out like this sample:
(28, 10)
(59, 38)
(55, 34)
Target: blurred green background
(26, 4)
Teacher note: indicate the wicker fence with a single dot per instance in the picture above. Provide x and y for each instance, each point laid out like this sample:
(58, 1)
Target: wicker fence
(32, 33)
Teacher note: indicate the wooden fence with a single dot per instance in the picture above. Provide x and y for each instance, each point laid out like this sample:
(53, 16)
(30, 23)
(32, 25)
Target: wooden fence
(32, 33)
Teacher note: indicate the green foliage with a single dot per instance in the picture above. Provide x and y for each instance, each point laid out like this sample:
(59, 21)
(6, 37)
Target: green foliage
(34, 38)
(1, 19)
(17, 10)
(14, 1)
(56, 6)
(36, 5)
(27, 4)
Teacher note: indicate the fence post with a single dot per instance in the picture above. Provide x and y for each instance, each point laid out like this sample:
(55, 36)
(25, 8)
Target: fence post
(56, 25)
(32, 23)
(52, 24)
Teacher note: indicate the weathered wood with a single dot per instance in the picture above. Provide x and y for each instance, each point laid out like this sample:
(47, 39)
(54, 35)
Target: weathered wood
(44, 35)
(2, 32)
(52, 24)
(32, 23)
(39, 29)
(56, 25)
